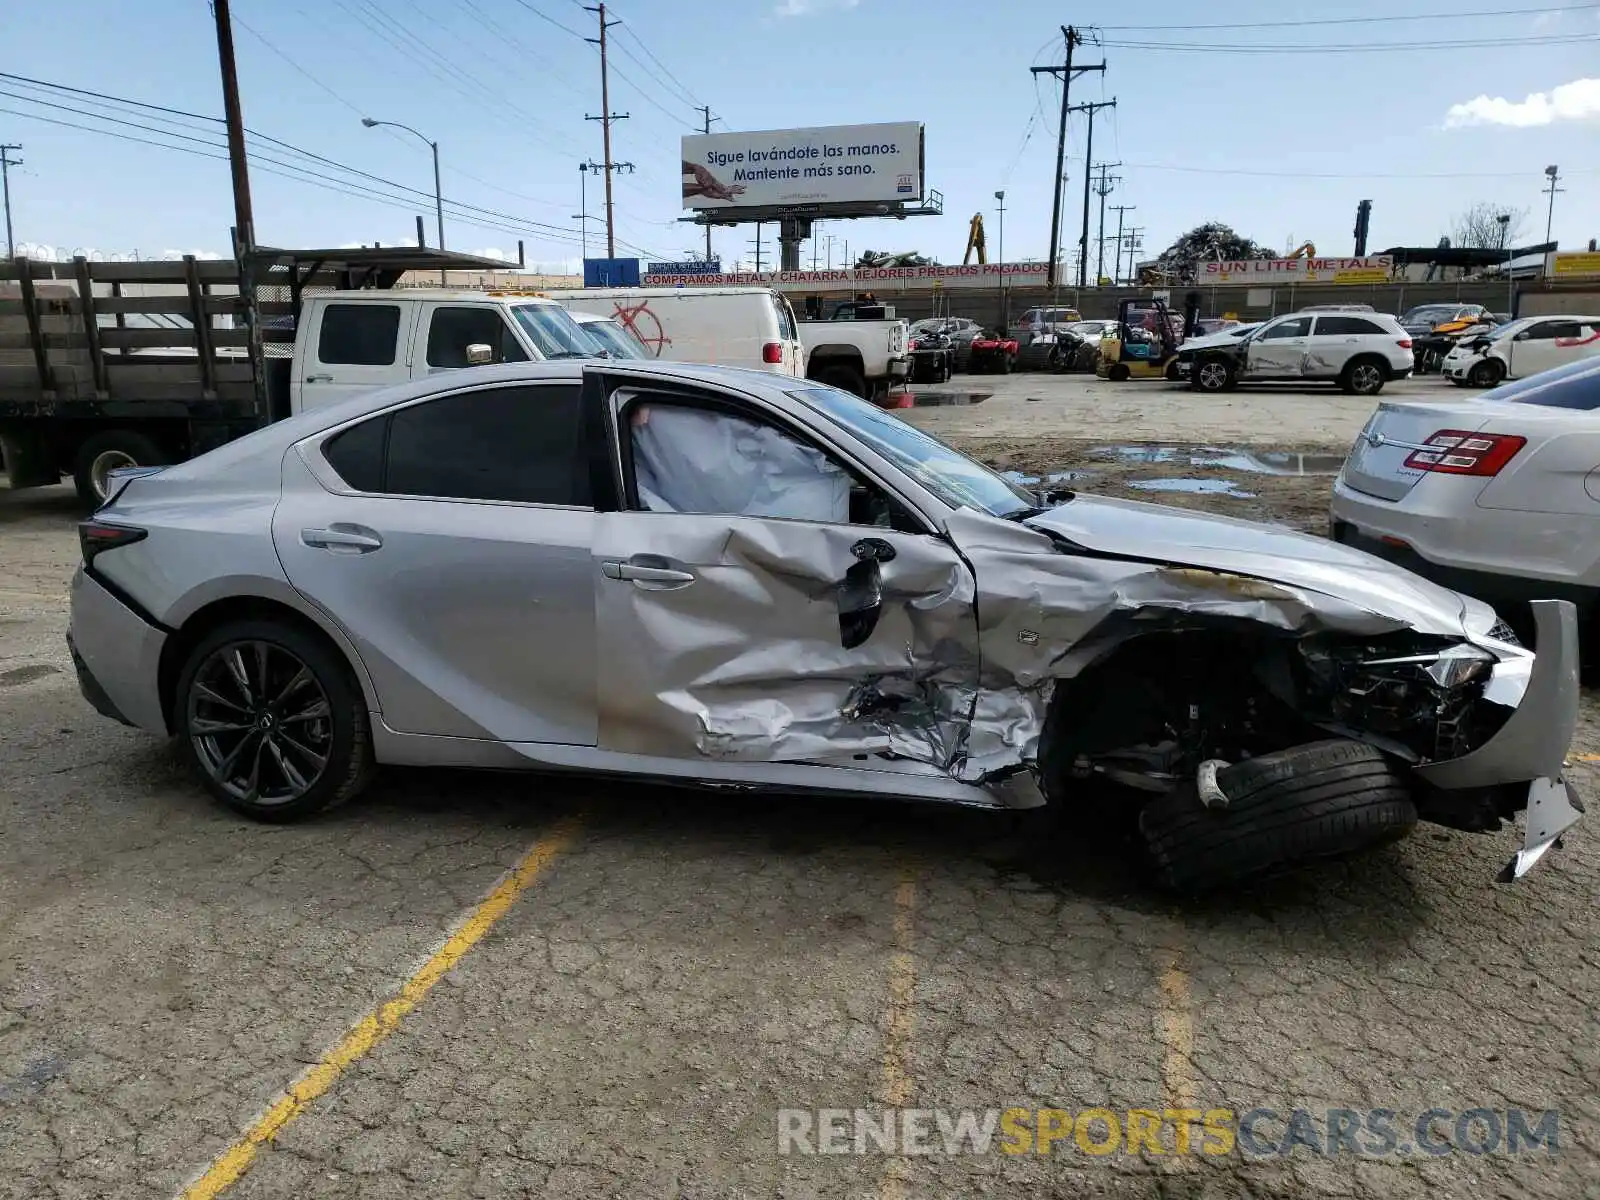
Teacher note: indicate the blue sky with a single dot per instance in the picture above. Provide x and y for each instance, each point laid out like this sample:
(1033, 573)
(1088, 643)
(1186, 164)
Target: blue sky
(1279, 144)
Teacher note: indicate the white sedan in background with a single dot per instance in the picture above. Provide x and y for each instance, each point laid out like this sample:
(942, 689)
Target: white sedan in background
(1496, 495)
(1521, 348)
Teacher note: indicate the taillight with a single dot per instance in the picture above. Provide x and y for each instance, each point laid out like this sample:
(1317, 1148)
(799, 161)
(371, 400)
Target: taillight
(772, 352)
(95, 537)
(1405, 343)
(1459, 452)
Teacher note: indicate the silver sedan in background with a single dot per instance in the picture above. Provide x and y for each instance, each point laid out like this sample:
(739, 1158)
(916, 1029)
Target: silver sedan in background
(731, 578)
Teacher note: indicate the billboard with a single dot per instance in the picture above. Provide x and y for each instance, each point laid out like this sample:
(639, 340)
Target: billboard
(836, 164)
(1374, 268)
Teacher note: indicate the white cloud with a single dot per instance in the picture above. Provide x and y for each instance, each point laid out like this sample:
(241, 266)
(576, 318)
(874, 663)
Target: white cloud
(1575, 101)
(806, 8)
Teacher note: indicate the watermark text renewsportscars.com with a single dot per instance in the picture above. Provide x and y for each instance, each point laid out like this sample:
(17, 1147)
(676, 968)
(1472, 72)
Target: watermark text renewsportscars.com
(1096, 1132)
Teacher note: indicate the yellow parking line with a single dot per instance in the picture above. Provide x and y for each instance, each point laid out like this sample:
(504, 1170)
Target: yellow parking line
(1175, 1029)
(897, 1074)
(227, 1168)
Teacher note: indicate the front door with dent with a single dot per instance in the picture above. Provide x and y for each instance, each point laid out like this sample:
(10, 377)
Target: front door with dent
(1279, 350)
(757, 600)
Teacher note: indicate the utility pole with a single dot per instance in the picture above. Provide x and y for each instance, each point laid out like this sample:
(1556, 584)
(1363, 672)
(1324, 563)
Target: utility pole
(1135, 244)
(6, 163)
(1103, 189)
(244, 236)
(1067, 73)
(705, 111)
(758, 247)
(605, 118)
(1088, 157)
(1552, 173)
(1120, 210)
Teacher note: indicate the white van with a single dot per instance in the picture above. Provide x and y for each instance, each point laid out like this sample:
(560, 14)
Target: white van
(731, 326)
(350, 342)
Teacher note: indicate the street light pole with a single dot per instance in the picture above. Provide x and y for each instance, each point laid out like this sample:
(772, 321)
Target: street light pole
(1505, 238)
(438, 193)
(1000, 252)
(1553, 174)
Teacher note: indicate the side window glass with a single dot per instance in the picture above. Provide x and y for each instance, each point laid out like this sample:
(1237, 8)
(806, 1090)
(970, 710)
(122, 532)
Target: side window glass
(521, 444)
(452, 330)
(1287, 329)
(1542, 331)
(1565, 329)
(363, 335)
(356, 455)
(692, 459)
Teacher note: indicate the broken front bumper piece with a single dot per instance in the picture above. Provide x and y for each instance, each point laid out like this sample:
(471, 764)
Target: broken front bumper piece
(1531, 747)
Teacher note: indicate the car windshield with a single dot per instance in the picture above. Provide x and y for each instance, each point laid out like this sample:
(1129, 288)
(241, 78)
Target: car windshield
(951, 476)
(614, 339)
(553, 331)
(1430, 312)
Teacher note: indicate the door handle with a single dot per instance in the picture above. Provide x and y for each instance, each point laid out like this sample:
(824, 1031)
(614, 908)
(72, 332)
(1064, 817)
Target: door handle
(662, 577)
(345, 539)
(319, 378)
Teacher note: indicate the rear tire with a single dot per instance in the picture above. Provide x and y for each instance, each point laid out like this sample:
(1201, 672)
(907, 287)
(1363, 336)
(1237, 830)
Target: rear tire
(106, 452)
(1363, 377)
(1316, 801)
(1491, 372)
(846, 379)
(288, 739)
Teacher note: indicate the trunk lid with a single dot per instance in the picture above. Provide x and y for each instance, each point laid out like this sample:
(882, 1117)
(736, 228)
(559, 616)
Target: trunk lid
(1376, 466)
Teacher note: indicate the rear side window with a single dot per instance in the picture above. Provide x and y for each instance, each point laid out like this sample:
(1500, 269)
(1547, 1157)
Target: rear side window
(522, 444)
(363, 335)
(786, 330)
(519, 444)
(356, 455)
(1346, 326)
(1546, 330)
(1575, 386)
(452, 330)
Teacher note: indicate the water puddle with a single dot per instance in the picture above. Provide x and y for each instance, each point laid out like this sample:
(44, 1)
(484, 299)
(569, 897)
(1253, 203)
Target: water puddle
(1228, 458)
(1202, 487)
(935, 399)
(1053, 479)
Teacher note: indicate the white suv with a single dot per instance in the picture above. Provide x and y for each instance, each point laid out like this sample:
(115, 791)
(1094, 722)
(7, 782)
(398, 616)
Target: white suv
(1359, 351)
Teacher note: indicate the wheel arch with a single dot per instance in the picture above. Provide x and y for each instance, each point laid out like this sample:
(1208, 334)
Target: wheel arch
(269, 600)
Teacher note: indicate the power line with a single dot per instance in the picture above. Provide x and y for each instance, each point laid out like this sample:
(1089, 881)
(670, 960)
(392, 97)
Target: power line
(640, 42)
(1433, 16)
(1356, 47)
(299, 175)
(538, 226)
(551, 20)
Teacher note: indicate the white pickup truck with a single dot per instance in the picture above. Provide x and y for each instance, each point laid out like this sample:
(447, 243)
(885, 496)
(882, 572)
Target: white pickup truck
(349, 342)
(864, 356)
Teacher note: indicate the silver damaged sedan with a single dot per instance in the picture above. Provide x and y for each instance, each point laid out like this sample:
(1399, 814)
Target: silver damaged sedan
(741, 580)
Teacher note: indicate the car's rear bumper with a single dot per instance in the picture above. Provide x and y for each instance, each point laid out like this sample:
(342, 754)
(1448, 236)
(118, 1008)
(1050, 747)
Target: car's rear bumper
(117, 655)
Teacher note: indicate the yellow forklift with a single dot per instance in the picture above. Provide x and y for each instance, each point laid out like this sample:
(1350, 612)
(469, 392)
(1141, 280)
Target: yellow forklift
(1144, 344)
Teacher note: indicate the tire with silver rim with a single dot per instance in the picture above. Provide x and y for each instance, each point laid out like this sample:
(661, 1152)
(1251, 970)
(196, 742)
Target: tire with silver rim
(110, 451)
(1364, 377)
(272, 721)
(1210, 375)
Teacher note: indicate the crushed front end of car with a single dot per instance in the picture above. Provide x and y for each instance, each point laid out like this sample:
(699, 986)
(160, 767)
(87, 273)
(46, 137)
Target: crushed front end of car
(1162, 650)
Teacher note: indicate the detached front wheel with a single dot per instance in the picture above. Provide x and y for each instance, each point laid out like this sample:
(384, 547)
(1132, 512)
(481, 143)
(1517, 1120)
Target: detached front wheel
(1285, 809)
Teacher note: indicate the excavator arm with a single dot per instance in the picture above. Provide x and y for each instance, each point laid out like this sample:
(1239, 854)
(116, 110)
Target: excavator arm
(1303, 250)
(975, 242)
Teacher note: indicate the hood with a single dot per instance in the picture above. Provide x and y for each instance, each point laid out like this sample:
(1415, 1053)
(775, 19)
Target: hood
(1182, 537)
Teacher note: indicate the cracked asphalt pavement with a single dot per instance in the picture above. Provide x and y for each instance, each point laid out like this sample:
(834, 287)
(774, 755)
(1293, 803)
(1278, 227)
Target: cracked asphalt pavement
(683, 967)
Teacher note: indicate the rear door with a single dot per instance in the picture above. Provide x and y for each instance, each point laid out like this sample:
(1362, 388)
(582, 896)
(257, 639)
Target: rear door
(447, 330)
(1279, 351)
(450, 538)
(353, 347)
(1334, 341)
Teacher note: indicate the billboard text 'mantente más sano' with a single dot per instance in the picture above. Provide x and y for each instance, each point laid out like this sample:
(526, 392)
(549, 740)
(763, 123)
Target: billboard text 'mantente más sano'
(839, 164)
